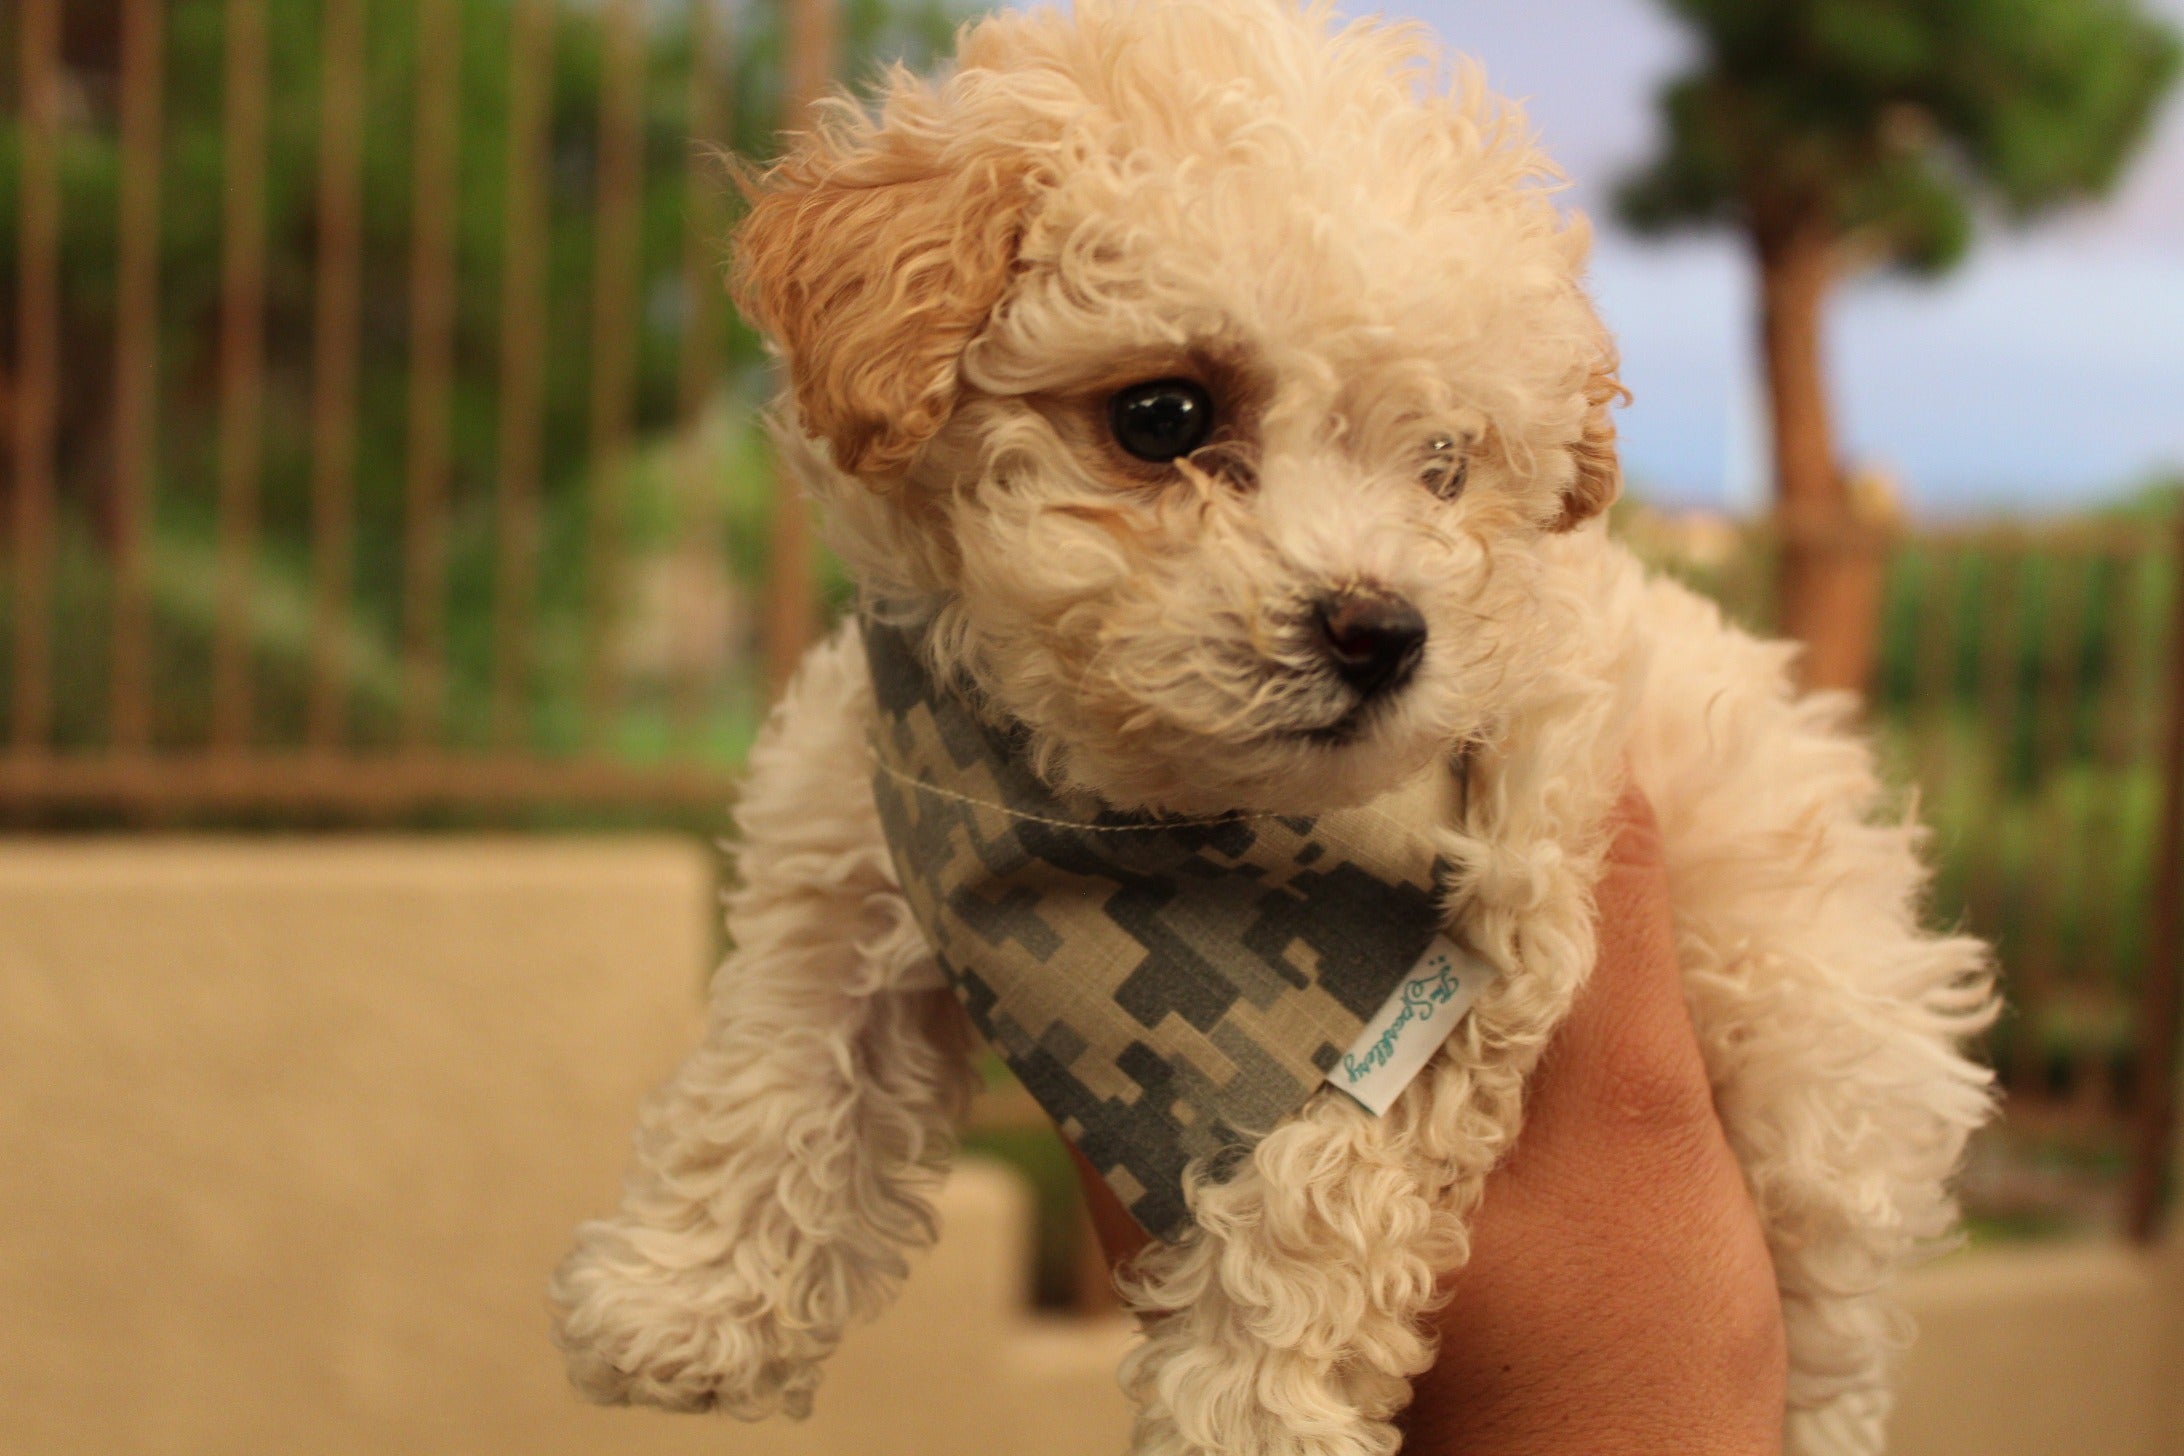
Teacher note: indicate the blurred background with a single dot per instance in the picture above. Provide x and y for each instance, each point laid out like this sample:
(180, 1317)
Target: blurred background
(394, 576)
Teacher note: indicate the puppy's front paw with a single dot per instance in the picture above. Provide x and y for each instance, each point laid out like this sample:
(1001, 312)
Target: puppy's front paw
(644, 1317)
(1854, 1423)
(1204, 1398)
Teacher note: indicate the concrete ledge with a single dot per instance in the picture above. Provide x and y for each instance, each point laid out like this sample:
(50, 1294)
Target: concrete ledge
(294, 1131)
(2040, 1352)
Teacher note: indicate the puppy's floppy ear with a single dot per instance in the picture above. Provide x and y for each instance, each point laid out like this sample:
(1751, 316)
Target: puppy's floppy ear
(872, 255)
(1599, 476)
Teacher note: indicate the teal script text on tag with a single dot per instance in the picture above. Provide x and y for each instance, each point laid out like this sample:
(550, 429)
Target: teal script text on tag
(1411, 1025)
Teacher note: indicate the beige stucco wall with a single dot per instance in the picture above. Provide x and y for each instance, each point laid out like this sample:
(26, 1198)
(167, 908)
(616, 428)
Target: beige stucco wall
(2041, 1350)
(290, 1133)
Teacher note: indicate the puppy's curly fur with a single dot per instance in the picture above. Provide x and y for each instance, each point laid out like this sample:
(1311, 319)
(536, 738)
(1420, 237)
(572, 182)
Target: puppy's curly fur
(1354, 250)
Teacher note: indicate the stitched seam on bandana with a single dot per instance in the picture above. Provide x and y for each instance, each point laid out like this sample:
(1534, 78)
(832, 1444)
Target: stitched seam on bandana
(927, 786)
(961, 798)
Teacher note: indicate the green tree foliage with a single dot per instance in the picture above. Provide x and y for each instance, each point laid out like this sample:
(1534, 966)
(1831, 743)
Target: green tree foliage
(1894, 121)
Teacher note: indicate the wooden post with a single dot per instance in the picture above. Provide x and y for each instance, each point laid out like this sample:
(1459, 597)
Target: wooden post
(335, 344)
(241, 364)
(435, 196)
(136, 364)
(2159, 1003)
(703, 567)
(617, 285)
(792, 587)
(522, 366)
(37, 390)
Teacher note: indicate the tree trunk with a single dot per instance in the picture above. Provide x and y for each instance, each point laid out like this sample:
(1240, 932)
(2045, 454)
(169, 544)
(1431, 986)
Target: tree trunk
(1829, 591)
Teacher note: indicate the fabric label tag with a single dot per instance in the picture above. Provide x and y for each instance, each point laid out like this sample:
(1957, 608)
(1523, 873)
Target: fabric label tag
(1410, 1027)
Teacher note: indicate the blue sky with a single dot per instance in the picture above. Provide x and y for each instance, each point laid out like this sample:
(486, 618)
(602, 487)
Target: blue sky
(2048, 372)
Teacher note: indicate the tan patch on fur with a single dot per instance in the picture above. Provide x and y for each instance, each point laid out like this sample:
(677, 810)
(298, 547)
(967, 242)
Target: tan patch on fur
(1599, 470)
(873, 254)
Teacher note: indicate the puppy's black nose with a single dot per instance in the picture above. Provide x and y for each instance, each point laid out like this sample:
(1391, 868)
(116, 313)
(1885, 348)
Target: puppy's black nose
(1373, 637)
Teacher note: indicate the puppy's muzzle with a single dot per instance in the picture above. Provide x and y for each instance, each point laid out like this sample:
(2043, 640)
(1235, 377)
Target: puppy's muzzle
(1372, 637)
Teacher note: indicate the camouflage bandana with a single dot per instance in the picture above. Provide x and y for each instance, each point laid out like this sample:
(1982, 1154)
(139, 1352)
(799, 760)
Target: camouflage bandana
(1167, 989)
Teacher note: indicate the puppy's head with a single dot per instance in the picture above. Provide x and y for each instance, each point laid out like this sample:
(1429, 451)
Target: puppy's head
(1211, 377)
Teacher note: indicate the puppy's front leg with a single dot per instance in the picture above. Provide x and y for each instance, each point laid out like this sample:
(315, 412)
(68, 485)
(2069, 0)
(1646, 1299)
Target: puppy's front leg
(785, 1169)
(1291, 1321)
(1832, 1022)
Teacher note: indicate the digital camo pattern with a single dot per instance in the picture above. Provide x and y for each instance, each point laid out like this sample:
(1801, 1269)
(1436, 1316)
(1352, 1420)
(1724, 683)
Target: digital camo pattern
(1167, 990)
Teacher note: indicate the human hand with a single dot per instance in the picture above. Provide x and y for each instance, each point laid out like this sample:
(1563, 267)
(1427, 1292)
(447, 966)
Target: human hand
(1619, 1296)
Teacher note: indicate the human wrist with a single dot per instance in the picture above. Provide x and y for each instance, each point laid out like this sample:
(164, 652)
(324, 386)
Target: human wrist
(1658, 1377)
(1579, 1439)
(1541, 1424)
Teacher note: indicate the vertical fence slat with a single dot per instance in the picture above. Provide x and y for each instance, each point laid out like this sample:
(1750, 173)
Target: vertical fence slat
(699, 502)
(2130, 732)
(431, 378)
(522, 362)
(242, 364)
(2159, 1005)
(615, 302)
(37, 373)
(136, 363)
(1988, 879)
(1933, 672)
(2049, 893)
(334, 344)
(792, 584)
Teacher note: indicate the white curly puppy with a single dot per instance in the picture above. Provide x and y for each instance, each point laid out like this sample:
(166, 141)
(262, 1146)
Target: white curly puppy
(1218, 384)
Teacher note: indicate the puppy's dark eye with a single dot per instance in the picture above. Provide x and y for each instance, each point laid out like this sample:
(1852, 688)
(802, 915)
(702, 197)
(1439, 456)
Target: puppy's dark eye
(1163, 420)
(1445, 468)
